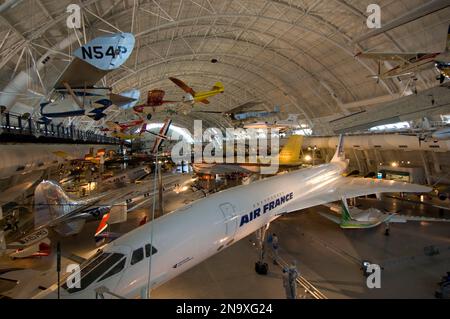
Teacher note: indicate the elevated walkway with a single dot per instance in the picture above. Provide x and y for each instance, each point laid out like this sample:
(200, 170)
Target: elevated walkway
(15, 128)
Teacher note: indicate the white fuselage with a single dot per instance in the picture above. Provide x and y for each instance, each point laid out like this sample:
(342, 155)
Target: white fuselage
(193, 233)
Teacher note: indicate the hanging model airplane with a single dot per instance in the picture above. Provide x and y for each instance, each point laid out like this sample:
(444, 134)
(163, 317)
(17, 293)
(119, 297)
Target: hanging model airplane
(411, 63)
(184, 238)
(290, 122)
(192, 97)
(121, 127)
(355, 218)
(155, 98)
(75, 93)
(243, 116)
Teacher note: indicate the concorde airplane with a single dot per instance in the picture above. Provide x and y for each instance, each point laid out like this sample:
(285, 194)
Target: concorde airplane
(174, 243)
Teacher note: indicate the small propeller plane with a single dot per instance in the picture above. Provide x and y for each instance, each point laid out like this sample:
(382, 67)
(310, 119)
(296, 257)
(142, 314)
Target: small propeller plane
(412, 62)
(121, 127)
(197, 97)
(154, 98)
(75, 93)
(290, 123)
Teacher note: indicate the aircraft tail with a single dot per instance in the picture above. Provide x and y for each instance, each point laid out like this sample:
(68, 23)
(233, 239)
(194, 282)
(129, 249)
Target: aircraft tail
(51, 203)
(339, 156)
(218, 86)
(345, 212)
(290, 153)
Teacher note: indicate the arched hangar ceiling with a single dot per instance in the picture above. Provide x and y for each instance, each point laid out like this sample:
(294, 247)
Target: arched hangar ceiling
(296, 54)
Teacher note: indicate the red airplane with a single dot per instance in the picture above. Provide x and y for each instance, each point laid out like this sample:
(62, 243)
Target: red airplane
(154, 98)
(121, 127)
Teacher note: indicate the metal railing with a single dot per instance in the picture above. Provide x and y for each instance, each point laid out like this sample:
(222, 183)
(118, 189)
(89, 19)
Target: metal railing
(17, 125)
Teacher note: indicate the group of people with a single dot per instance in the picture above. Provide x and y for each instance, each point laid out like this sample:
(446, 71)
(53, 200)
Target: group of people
(290, 274)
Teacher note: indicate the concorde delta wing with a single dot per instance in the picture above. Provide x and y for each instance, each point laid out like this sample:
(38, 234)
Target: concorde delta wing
(352, 187)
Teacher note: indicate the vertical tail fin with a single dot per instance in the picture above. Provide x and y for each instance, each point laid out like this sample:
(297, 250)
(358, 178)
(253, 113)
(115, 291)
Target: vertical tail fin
(339, 156)
(345, 213)
(50, 203)
(218, 86)
(290, 153)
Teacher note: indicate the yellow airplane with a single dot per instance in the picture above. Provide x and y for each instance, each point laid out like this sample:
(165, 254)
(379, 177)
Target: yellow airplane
(125, 136)
(194, 97)
(288, 157)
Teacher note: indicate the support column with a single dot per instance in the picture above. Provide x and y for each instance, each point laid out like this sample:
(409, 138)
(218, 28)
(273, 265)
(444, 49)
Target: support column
(160, 191)
(378, 157)
(436, 163)
(367, 158)
(425, 166)
(357, 160)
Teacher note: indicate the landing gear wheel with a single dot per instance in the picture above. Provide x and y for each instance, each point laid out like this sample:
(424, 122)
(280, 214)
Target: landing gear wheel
(386, 232)
(261, 268)
(149, 116)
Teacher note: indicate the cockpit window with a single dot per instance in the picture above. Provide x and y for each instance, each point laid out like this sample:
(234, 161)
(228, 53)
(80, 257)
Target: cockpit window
(137, 256)
(147, 250)
(116, 269)
(94, 269)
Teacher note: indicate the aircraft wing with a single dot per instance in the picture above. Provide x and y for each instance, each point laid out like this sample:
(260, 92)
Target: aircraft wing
(243, 107)
(348, 187)
(182, 85)
(332, 217)
(121, 100)
(113, 126)
(405, 218)
(391, 56)
(80, 74)
(204, 101)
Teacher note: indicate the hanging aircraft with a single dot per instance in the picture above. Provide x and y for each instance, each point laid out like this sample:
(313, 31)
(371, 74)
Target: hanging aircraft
(184, 238)
(355, 218)
(412, 62)
(75, 92)
(161, 136)
(192, 97)
(288, 157)
(67, 216)
(238, 110)
(290, 122)
(121, 127)
(130, 136)
(243, 116)
(154, 98)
